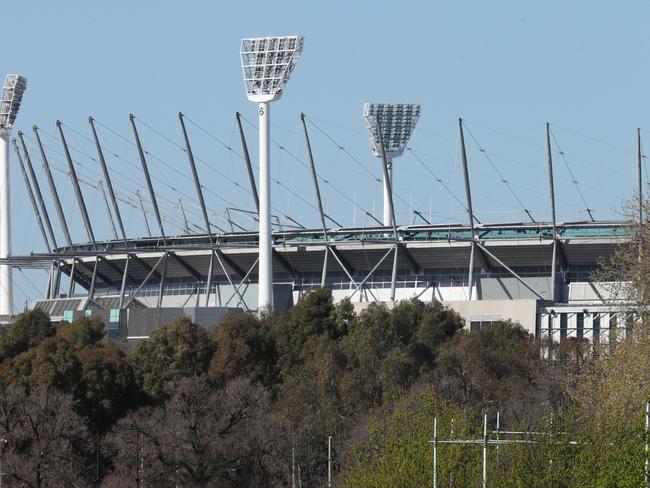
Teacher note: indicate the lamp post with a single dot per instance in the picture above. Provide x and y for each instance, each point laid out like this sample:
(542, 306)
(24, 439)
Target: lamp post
(12, 95)
(397, 121)
(267, 64)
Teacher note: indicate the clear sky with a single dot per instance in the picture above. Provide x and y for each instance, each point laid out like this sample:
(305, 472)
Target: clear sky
(506, 67)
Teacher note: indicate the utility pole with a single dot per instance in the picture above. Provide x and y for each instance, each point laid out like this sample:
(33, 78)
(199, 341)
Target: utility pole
(329, 461)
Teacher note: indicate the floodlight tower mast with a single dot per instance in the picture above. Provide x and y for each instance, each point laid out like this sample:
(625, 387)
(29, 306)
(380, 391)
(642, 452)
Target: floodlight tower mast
(267, 64)
(397, 121)
(12, 95)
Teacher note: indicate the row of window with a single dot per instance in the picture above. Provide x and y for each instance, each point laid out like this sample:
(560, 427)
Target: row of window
(113, 320)
(602, 325)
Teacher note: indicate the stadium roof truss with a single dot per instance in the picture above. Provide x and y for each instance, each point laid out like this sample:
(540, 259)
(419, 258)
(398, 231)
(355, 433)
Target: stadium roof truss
(125, 265)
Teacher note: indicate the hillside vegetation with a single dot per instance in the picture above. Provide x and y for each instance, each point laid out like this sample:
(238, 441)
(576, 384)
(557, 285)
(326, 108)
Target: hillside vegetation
(252, 402)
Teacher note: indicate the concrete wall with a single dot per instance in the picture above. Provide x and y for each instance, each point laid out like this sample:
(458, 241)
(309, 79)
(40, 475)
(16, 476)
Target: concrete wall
(523, 312)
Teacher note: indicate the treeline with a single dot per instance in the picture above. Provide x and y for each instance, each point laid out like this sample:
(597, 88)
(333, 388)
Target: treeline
(252, 402)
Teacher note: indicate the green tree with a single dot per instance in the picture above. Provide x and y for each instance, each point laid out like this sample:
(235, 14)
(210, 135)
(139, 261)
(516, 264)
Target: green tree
(27, 330)
(398, 449)
(313, 315)
(179, 349)
(107, 387)
(243, 347)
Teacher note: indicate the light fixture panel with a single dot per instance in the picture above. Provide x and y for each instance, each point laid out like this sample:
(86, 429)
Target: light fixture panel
(12, 95)
(397, 121)
(267, 64)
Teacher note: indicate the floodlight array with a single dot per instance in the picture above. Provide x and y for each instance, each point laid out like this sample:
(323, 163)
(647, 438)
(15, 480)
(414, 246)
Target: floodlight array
(397, 121)
(12, 95)
(267, 63)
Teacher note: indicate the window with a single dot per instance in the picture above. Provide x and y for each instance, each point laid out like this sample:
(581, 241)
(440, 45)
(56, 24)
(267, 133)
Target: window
(474, 326)
(114, 315)
(613, 325)
(596, 327)
(580, 324)
(67, 315)
(113, 334)
(563, 325)
(88, 313)
(629, 322)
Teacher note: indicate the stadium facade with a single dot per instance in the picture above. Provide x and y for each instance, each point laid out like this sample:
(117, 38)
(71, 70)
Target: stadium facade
(142, 283)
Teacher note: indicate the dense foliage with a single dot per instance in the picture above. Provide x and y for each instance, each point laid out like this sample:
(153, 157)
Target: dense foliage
(253, 400)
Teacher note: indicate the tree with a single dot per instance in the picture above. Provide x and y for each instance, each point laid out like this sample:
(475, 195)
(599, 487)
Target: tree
(27, 330)
(107, 387)
(498, 364)
(243, 347)
(313, 315)
(202, 437)
(47, 442)
(179, 349)
(398, 451)
(53, 361)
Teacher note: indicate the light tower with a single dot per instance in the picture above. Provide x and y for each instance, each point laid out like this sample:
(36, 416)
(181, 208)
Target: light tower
(267, 64)
(12, 95)
(397, 121)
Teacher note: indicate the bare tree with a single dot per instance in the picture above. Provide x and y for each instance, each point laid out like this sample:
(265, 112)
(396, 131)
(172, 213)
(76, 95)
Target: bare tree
(47, 443)
(201, 437)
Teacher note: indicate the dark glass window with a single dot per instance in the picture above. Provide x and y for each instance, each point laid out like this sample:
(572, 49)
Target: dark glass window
(580, 324)
(613, 327)
(563, 325)
(596, 327)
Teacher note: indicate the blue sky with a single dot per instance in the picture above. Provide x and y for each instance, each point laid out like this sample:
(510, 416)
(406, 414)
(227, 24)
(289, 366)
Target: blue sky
(506, 67)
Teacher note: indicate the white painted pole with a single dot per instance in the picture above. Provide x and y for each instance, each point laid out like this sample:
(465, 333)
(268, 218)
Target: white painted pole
(265, 297)
(6, 284)
(435, 452)
(645, 447)
(329, 461)
(485, 449)
(387, 185)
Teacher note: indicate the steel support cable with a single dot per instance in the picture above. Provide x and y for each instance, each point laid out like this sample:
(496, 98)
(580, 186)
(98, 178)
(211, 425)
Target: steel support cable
(40, 293)
(183, 149)
(597, 140)
(92, 170)
(83, 178)
(503, 178)
(575, 182)
(519, 163)
(229, 148)
(223, 175)
(540, 146)
(327, 182)
(130, 163)
(157, 159)
(342, 148)
(188, 198)
(439, 180)
(378, 180)
(96, 172)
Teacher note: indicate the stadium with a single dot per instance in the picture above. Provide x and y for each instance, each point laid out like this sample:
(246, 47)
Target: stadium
(534, 273)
